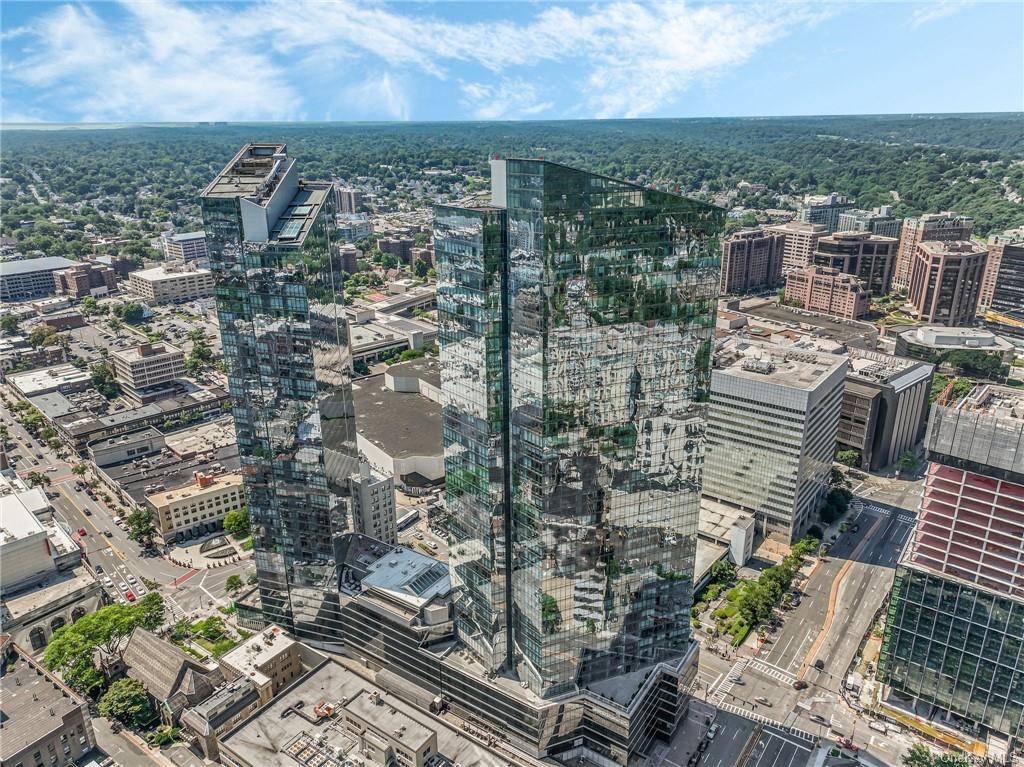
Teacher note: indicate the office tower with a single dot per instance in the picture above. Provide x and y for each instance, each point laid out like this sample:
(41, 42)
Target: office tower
(823, 209)
(828, 291)
(801, 240)
(885, 406)
(85, 280)
(185, 246)
(937, 227)
(772, 429)
(945, 282)
(751, 260)
(272, 247)
(349, 200)
(576, 316)
(955, 624)
(1002, 292)
(878, 221)
(869, 257)
(373, 504)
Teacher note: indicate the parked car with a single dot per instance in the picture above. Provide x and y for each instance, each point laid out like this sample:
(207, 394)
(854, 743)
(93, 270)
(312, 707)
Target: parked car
(98, 568)
(123, 587)
(129, 596)
(713, 731)
(819, 719)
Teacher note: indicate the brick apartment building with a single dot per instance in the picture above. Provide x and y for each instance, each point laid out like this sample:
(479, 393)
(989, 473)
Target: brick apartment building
(945, 281)
(751, 260)
(828, 291)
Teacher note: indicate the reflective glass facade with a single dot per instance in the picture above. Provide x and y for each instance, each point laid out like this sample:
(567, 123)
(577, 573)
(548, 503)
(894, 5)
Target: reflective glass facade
(958, 647)
(286, 350)
(576, 338)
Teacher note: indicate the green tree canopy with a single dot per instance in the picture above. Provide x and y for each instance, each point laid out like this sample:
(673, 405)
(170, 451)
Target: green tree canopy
(126, 700)
(237, 522)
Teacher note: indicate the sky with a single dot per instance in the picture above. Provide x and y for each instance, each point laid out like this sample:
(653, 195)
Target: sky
(341, 60)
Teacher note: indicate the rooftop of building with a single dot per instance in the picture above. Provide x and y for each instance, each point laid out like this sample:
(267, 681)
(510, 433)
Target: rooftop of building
(857, 237)
(717, 519)
(955, 338)
(168, 272)
(205, 717)
(795, 227)
(163, 668)
(140, 478)
(425, 369)
(952, 247)
(1000, 402)
(882, 368)
(56, 586)
(295, 222)
(185, 236)
(252, 655)
(34, 703)
(779, 365)
(372, 708)
(17, 517)
(402, 425)
(29, 265)
(215, 483)
(41, 379)
(304, 725)
(202, 438)
(250, 173)
(145, 351)
(122, 440)
(408, 576)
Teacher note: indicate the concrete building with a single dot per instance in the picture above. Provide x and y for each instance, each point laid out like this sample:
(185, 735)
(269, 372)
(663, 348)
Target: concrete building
(30, 277)
(885, 407)
(65, 379)
(229, 704)
(126, 447)
(871, 258)
(1001, 303)
(772, 429)
(85, 279)
(146, 371)
(44, 722)
(270, 659)
(823, 209)
(828, 291)
(196, 509)
(878, 221)
(751, 261)
(16, 353)
(171, 284)
(934, 343)
(801, 240)
(952, 641)
(185, 246)
(349, 200)
(945, 282)
(931, 227)
(354, 227)
(373, 504)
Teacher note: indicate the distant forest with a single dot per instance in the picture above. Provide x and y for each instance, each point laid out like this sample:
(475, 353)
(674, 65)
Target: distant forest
(973, 164)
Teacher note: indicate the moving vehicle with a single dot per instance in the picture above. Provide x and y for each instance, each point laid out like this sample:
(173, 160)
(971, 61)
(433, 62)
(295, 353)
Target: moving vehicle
(762, 700)
(819, 664)
(819, 719)
(82, 532)
(108, 533)
(799, 684)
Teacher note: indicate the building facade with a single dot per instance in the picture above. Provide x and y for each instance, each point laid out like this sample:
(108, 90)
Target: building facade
(273, 243)
(827, 291)
(751, 260)
(1002, 292)
(185, 246)
(146, 367)
(772, 429)
(955, 624)
(196, 509)
(576, 317)
(801, 240)
(878, 221)
(823, 209)
(373, 504)
(945, 282)
(84, 280)
(171, 284)
(934, 227)
(30, 277)
(871, 258)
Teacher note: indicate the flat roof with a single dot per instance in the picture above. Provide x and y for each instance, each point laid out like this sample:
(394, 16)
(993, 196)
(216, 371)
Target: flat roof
(219, 482)
(146, 352)
(29, 265)
(39, 380)
(56, 586)
(779, 365)
(16, 518)
(425, 369)
(408, 576)
(883, 368)
(402, 425)
(255, 651)
(161, 273)
(183, 236)
(247, 172)
(716, 519)
(955, 337)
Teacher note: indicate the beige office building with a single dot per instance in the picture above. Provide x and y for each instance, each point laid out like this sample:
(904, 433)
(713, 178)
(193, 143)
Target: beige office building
(196, 509)
(934, 227)
(171, 284)
(146, 366)
(801, 240)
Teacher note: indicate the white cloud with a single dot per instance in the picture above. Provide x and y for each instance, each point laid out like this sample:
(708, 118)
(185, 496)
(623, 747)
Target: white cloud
(166, 60)
(935, 10)
(504, 100)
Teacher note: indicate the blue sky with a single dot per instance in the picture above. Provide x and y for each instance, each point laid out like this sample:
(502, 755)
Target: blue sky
(168, 61)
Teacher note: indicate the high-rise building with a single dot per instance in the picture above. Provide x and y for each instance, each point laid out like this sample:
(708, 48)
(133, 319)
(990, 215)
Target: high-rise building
(772, 429)
(373, 504)
(576, 315)
(935, 227)
(185, 246)
(800, 243)
(878, 221)
(1002, 293)
(85, 279)
(945, 281)
(955, 623)
(272, 242)
(828, 291)
(751, 260)
(823, 209)
(869, 257)
(349, 200)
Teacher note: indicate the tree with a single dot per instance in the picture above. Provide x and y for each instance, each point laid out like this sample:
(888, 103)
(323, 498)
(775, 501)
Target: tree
(140, 526)
(126, 700)
(210, 629)
(37, 479)
(81, 469)
(908, 461)
(42, 335)
(723, 571)
(233, 583)
(9, 324)
(388, 261)
(237, 522)
(151, 611)
(848, 457)
(196, 335)
(836, 478)
(130, 312)
(420, 268)
(920, 756)
(103, 380)
(89, 306)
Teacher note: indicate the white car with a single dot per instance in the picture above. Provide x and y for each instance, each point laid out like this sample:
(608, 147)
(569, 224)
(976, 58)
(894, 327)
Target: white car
(131, 578)
(123, 587)
(107, 582)
(140, 590)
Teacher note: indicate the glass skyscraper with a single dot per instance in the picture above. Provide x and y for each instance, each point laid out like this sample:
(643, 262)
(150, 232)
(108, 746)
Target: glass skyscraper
(272, 244)
(576, 323)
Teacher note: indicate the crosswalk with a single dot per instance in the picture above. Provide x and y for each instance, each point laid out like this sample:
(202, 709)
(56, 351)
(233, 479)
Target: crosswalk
(774, 672)
(796, 732)
(173, 609)
(902, 515)
(726, 685)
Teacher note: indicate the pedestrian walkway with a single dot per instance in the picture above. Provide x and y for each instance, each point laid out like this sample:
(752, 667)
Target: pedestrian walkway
(726, 685)
(902, 515)
(774, 672)
(796, 732)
